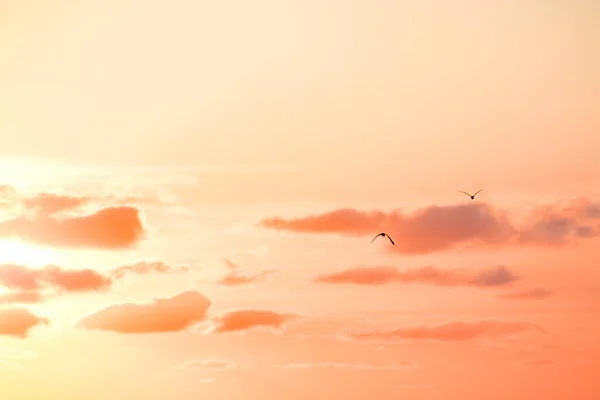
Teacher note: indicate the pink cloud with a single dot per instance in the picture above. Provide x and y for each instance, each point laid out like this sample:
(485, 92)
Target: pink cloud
(14, 276)
(146, 267)
(235, 279)
(230, 264)
(496, 276)
(74, 280)
(452, 331)
(19, 321)
(29, 284)
(169, 314)
(52, 203)
(21, 297)
(48, 203)
(108, 228)
(439, 228)
(559, 224)
(242, 320)
(529, 294)
(209, 364)
(402, 364)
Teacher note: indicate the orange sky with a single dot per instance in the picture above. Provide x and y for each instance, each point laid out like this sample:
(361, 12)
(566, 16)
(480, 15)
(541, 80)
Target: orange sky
(188, 191)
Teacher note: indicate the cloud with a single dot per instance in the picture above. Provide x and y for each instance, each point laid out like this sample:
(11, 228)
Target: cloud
(529, 294)
(18, 322)
(230, 264)
(496, 276)
(14, 276)
(146, 267)
(452, 331)
(439, 228)
(21, 297)
(242, 320)
(209, 364)
(235, 278)
(169, 314)
(423, 231)
(560, 224)
(107, 228)
(49, 203)
(74, 280)
(30, 285)
(52, 203)
(402, 364)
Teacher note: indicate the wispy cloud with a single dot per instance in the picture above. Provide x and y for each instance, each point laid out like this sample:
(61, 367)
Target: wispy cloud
(490, 277)
(54, 202)
(230, 264)
(402, 364)
(17, 322)
(146, 267)
(242, 320)
(236, 278)
(21, 297)
(527, 294)
(14, 276)
(452, 331)
(33, 285)
(211, 364)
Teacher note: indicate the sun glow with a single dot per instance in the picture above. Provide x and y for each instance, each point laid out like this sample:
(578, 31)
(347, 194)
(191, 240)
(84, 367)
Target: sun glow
(12, 251)
(25, 172)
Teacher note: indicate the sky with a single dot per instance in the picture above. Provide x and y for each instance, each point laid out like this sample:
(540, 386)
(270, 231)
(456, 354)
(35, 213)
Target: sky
(188, 191)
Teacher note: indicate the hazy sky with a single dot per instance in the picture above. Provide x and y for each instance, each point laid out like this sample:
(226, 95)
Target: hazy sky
(188, 190)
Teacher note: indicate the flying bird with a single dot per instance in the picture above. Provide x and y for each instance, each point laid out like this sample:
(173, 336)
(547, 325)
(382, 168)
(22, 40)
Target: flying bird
(383, 234)
(472, 196)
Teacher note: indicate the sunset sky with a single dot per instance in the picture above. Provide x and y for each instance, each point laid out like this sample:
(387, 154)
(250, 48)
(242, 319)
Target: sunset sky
(188, 190)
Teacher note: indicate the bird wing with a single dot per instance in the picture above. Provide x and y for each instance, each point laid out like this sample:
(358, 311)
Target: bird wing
(478, 192)
(375, 238)
(464, 193)
(388, 236)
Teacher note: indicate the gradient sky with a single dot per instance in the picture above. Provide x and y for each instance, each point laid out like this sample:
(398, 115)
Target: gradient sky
(188, 190)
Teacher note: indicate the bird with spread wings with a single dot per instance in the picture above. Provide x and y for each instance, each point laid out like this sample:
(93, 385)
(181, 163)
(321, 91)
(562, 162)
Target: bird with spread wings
(472, 196)
(383, 234)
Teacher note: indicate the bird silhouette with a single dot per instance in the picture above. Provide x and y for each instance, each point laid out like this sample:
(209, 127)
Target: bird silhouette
(472, 196)
(382, 234)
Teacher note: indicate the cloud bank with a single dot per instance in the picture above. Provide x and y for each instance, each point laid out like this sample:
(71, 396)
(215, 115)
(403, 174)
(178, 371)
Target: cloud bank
(438, 228)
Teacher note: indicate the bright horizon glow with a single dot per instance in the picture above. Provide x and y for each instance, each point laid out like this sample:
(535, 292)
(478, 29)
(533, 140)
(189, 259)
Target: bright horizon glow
(17, 252)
